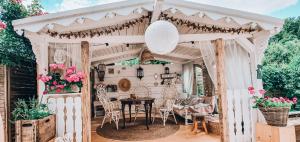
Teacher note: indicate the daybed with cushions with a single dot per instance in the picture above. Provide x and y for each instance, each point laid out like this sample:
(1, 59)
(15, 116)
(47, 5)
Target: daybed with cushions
(203, 105)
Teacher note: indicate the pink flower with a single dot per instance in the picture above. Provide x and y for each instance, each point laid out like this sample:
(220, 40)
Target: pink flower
(54, 82)
(251, 92)
(250, 88)
(53, 66)
(80, 75)
(262, 91)
(69, 71)
(60, 86)
(2, 25)
(18, 1)
(61, 66)
(45, 78)
(45, 92)
(58, 90)
(295, 100)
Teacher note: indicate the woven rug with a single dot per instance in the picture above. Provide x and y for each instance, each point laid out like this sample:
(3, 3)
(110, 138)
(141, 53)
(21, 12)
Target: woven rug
(138, 130)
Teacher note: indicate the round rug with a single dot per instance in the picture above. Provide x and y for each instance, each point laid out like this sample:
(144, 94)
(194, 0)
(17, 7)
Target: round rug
(138, 130)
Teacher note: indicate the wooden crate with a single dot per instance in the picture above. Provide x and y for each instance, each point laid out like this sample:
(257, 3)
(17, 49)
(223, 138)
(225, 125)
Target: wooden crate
(41, 130)
(267, 133)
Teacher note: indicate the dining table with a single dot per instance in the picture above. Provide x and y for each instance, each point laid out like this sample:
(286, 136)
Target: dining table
(146, 101)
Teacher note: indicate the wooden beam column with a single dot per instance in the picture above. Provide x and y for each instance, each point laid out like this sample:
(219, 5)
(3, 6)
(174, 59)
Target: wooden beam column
(85, 96)
(221, 88)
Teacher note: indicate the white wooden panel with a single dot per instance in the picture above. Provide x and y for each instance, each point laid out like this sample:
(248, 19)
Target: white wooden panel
(67, 108)
(69, 115)
(60, 117)
(78, 119)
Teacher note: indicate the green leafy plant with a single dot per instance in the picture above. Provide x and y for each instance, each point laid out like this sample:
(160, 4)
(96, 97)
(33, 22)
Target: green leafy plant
(29, 110)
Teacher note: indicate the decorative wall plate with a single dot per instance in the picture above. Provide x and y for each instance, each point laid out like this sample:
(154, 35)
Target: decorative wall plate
(124, 84)
(59, 56)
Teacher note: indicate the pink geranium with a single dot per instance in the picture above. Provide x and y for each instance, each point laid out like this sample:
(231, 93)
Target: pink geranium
(19, 1)
(295, 100)
(80, 75)
(53, 67)
(45, 78)
(61, 66)
(262, 91)
(2, 25)
(60, 86)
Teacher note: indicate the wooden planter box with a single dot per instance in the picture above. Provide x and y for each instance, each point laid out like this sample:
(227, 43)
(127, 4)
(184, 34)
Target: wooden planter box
(41, 130)
(268, 133)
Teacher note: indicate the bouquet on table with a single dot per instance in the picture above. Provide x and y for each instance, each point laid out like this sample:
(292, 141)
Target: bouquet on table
(60, 79)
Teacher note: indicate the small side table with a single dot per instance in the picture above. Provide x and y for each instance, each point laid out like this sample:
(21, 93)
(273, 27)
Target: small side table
(199, 117)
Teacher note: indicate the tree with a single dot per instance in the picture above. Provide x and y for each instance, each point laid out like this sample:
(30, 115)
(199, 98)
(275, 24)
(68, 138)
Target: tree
(14, 48)
(281, 63)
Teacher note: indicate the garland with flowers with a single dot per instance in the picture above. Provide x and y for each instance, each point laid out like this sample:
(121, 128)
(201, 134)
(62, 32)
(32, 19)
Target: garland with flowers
(62, 80)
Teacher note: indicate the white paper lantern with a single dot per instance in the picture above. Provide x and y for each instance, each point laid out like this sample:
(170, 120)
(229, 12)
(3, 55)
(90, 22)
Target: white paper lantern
(161, 37)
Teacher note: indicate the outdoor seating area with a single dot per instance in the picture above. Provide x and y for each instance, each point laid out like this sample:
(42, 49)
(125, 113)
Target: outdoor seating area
(150, 70)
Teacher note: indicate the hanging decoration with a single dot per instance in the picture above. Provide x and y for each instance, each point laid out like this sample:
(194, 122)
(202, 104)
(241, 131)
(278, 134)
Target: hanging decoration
(206, 28)
(161, 37)
(100, 31)
(146, 55)
(140, 72)
(59, 56)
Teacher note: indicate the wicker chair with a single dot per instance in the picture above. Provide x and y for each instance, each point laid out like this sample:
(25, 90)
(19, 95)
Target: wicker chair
(140, 91)
(111, 112)
(164, 106)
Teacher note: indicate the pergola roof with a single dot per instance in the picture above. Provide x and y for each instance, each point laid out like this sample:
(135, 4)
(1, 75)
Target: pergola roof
(114, 14)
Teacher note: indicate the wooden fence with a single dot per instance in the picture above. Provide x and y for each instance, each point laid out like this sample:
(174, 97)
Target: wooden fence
(67, 108)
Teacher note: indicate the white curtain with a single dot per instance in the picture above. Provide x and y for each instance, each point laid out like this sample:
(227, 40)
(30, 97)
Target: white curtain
(188, 79)
(238, 79)
(208, 54)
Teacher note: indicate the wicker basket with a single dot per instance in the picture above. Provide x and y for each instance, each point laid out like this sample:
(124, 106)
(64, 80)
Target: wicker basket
(276, 116)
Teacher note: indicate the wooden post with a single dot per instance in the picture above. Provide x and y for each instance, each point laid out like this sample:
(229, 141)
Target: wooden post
(85, 97)
(221, 88)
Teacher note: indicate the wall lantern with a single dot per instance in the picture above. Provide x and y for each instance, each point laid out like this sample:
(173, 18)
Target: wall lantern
(161, 37)
(101, 71)
(140, 73)
(167, 70)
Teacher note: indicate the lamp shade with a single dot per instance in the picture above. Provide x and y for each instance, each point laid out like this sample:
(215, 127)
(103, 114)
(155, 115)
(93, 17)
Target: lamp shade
(161, 37)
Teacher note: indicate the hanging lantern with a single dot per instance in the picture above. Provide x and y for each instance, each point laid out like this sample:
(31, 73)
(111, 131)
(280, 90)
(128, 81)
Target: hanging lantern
(161, 37)
(146, 56)
(140, 73)
(101, 71)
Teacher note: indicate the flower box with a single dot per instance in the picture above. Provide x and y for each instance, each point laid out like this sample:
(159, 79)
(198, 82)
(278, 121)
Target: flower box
(40, 130)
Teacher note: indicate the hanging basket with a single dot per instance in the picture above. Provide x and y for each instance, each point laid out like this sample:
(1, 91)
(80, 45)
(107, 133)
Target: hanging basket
(276, 116)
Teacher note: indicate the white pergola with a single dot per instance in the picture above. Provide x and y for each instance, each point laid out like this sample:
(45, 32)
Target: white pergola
(127, 43)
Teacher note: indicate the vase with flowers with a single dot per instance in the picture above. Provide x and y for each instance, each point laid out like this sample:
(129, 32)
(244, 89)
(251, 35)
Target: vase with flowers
(60, 79)
(275, 110)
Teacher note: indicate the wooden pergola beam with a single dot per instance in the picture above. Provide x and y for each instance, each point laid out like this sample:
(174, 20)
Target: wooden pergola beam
(246, 44)
(221, 88)
(85, 96)
(157, 10)
(135, 39)
(115, 55)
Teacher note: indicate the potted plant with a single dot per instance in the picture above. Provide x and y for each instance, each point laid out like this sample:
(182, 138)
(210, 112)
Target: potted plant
(33, 121)
(60, 79)
(275, 110)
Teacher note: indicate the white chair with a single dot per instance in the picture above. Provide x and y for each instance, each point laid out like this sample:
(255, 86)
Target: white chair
(165, 111)
(111, 112)
(166, 103)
